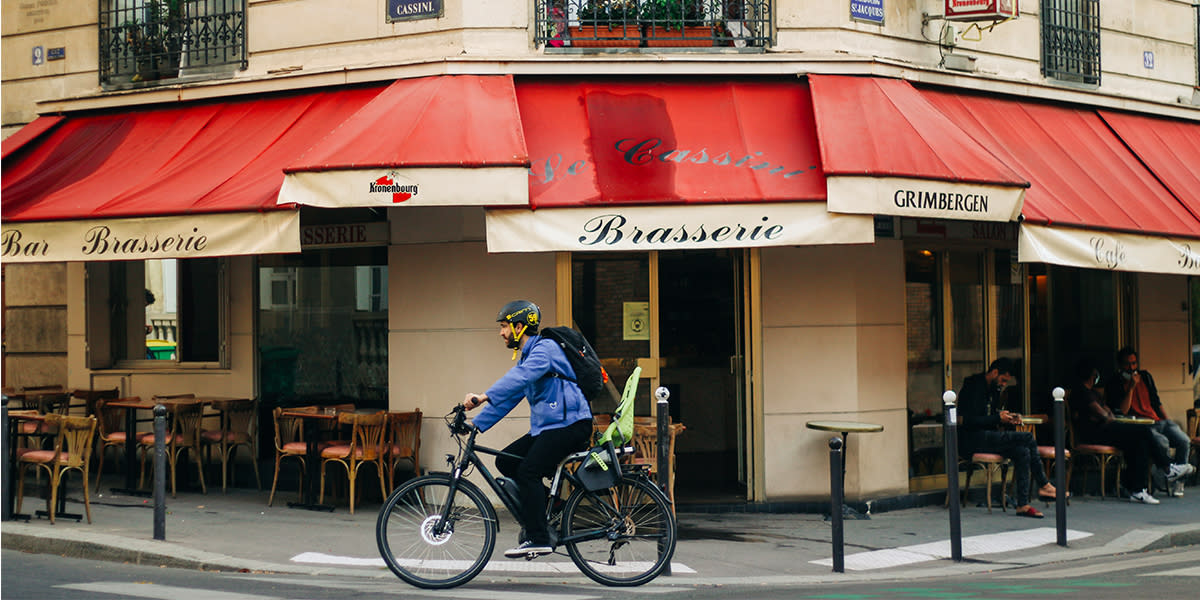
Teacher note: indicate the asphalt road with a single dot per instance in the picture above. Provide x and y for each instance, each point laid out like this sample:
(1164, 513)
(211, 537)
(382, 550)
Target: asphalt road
(1172, 573)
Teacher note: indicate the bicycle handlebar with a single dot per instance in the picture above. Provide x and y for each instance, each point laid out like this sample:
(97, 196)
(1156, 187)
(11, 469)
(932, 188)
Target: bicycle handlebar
(458, 423)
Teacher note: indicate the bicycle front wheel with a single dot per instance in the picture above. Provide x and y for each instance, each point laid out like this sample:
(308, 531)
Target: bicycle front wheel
(423, 550)
(621, 536)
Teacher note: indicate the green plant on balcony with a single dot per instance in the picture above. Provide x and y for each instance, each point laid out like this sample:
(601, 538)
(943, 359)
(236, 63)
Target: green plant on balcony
(671, 14)
(610, 13)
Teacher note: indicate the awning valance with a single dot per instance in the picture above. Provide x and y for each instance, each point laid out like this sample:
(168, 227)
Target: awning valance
(886, 150)
(452, 140)
(1110, 250)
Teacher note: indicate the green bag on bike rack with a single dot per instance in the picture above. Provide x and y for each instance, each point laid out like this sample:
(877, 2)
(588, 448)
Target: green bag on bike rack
(600, 469)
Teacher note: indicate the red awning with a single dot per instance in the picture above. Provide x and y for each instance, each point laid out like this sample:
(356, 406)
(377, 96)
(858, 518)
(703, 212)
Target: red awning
(445, 140)
(1170, 148)
(596, 142)
(29, 133)
(209, 158)
(1082, 175)
(887, 150)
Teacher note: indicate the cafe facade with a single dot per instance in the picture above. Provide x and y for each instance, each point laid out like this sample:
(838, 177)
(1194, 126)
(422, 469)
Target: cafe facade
(774, 248)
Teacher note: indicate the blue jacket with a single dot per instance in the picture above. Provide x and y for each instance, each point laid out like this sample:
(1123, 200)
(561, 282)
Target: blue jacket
(554, 402)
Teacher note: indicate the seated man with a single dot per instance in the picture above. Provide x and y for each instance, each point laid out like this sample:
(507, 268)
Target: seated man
(979, 407)
(1094, 425)
(1132, 392)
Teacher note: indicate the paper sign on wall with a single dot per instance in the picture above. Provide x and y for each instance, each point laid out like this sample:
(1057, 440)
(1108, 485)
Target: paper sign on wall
(637, 320)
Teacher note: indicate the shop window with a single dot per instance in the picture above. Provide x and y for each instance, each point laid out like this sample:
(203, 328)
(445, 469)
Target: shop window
(147, 313)
(1071, 40)
(144, 42)
(323, 327)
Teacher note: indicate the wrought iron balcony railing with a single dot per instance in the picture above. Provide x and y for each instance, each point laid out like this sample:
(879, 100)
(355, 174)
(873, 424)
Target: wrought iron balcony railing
(653, 23)
(154, 40)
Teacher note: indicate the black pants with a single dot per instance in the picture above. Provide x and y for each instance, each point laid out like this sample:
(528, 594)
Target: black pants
(1139, 446)
(1019, 447)
(541, 454)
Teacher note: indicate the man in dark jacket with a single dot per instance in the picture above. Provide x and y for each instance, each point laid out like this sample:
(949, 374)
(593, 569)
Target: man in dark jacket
(1131, 391)
(979, 408)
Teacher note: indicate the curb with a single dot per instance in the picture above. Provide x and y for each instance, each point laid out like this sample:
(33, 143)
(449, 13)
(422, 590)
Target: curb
(98, 546)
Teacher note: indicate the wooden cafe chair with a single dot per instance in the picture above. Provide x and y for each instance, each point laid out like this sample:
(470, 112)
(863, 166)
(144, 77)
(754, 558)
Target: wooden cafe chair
(183, 436)
(72, 451)
(403, 444)
(645, 441)
(1046, 453)
(238, 429)
(289, 443)
(110, 431)
(365, 446)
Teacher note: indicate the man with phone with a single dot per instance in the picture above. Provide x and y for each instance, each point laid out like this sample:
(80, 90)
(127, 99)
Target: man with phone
(1131, 391)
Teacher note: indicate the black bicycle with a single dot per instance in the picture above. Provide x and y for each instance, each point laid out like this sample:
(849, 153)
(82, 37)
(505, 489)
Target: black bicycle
(439, 530)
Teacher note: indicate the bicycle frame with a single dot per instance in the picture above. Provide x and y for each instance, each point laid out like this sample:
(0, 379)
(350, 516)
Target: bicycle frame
(469, 456)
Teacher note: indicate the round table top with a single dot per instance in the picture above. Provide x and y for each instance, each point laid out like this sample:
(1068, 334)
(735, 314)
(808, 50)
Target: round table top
(1134, 420)
(1032, 420)
(844, 426)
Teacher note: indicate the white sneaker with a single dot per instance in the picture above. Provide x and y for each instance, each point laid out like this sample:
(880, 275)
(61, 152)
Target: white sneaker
(1144, 497)
(529, 550)
(1177, 489)
(1180, 470)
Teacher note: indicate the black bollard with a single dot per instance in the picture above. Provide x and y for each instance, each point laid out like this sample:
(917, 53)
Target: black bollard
(6, 478)
(664, 450)
(836, 503)
(951, 442)
(1060, 462)
(160, 472)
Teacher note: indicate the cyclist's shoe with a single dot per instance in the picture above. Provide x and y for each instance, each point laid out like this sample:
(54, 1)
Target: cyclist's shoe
(528, 550)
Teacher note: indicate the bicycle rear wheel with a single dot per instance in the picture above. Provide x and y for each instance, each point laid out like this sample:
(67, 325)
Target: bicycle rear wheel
(628, 532)
(405, 532)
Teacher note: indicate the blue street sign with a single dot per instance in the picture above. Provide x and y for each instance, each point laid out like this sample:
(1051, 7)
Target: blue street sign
(867, 10)
(39, 55)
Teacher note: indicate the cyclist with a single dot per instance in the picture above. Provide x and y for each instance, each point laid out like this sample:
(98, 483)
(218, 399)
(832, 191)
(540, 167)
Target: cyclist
(560, 421)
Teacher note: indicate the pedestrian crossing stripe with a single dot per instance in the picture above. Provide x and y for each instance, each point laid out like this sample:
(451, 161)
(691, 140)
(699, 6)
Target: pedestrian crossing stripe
(975, 545)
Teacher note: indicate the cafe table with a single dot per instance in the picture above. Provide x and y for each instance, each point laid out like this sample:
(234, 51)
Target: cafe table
(315, 417)
(131, 465)
(1133, 420)
(846, 428)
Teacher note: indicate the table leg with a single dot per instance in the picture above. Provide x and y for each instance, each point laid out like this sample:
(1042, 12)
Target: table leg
(60, 511)
(312, 458)
(848, 512)
(131, 465)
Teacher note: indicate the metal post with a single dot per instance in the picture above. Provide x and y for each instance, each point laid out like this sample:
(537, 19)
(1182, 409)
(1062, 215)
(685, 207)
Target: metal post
(1060, 468)
(835, 504)
(664, 452)
(6, 478)
(951, 442)
(160, 472)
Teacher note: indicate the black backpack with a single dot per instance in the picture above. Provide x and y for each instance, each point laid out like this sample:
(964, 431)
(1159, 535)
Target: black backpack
(590, 375)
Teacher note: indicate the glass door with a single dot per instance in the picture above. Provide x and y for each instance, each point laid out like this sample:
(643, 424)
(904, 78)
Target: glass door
(954, 330)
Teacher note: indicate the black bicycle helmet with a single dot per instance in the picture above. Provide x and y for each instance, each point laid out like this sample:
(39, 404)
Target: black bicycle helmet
(521, 311)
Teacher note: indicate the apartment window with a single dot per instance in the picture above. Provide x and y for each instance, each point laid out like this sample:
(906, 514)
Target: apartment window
(153, 312)
(146, 42)
(1071, 40)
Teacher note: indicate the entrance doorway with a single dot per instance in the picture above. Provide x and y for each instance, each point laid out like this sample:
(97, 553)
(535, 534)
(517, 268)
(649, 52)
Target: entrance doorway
(681, 316)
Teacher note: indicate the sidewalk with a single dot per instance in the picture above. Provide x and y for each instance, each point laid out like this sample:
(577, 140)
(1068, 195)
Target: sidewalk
(237, 531)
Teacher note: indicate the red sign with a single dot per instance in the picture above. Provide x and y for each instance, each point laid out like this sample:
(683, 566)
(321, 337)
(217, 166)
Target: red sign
(981, 10)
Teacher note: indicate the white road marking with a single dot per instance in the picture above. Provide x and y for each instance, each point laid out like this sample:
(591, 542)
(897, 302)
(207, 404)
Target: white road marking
(1123, 564)
(971, 546)
(160, 592)
(495, 566)
(1185, 572)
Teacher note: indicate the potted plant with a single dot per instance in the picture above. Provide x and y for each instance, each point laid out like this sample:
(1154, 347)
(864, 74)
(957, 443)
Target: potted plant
(606, 23)
(674, 23)
(160, 40)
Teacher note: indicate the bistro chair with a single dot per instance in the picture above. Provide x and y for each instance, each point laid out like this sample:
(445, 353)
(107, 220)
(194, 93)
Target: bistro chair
(993, 466)
(1099, 455)
(239, 428)
(403, 443)
(183, 436)
(72, 451)
(289, 443)
(645, 442)
(366, 446)
(1046, 453)
(110, 431)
